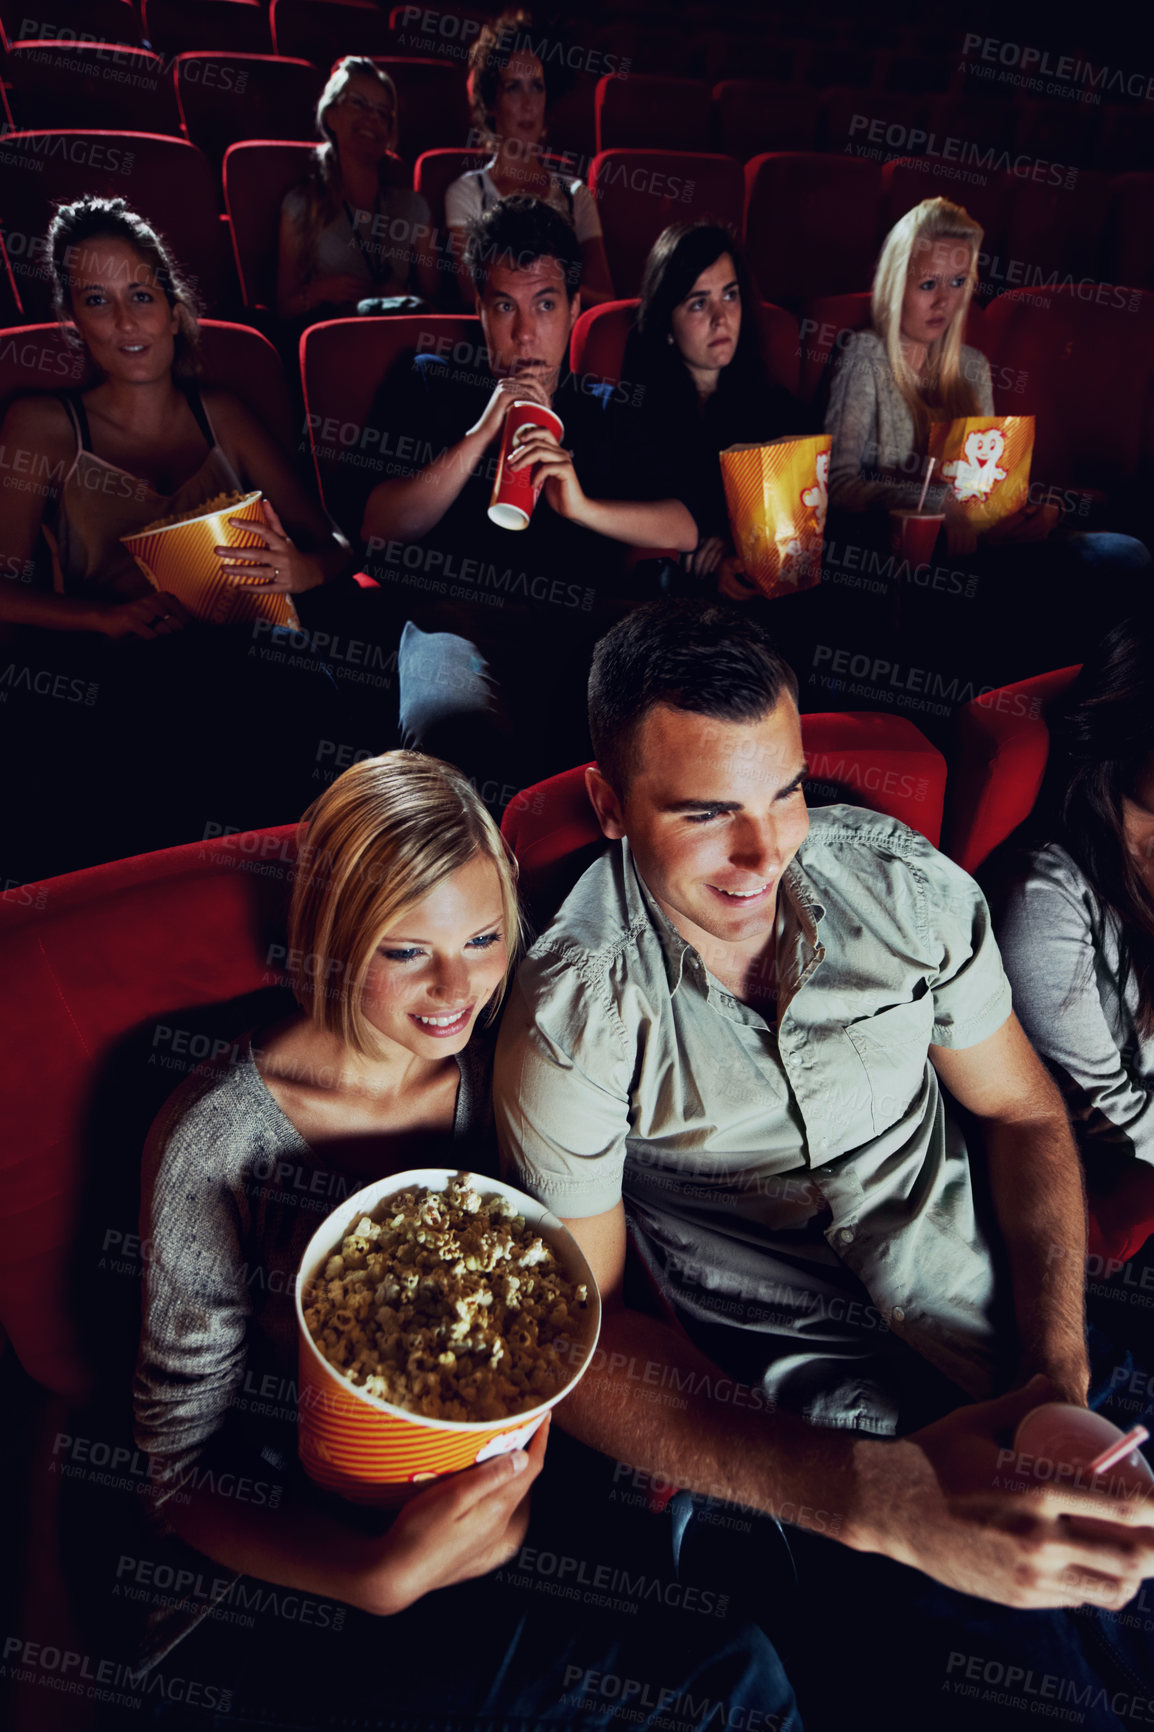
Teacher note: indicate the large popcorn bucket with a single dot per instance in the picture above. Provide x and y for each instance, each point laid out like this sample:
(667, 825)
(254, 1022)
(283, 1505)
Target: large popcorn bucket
(372, 1452)
(180, 558)
(986, 461)
(778, 496)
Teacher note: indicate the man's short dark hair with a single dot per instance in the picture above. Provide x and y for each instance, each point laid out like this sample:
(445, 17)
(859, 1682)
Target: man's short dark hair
(517, 232)
(699, 656)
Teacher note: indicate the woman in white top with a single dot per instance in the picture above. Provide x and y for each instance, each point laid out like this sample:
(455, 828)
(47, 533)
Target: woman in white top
(509, 99)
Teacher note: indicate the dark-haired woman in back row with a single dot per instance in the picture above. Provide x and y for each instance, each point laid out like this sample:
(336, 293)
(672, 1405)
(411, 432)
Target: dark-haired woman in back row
(695, 357)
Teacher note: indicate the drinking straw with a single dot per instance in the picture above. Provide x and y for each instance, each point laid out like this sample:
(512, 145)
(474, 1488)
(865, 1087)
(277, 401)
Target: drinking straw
(926, 483)
(1119, 1451)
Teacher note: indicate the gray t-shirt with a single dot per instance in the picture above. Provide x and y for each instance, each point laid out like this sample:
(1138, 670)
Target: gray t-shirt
(232, 1194)
(804, 1190)
(873, 459)
(1061, 952)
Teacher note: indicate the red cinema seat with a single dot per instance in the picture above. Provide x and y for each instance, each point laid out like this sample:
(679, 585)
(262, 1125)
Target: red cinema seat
(1126, 140)
(427, 32)
(862, 122)
(1130, 240)
(1081, 359)
(165, 179)
(640, 192)
(435, 172)
(257, 174)
(753, 115)
(121, 978)
(811, 224)
(997, 762)
(1054, 139)
(1055, 229)
(651, 113)
(908, 180)
(597, 346)
(343, 362)
(234, 357)
(86, 84)
(225, 98)
(74, 20)
(324, 31)
(880, 761)
(432, 105)
(218, 26)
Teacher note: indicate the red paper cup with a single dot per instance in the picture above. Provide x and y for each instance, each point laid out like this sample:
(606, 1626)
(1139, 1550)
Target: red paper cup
(915, 534)
(372, 1452)
(514, 494)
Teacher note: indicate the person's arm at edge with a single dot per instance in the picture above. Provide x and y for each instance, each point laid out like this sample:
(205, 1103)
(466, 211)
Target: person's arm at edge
(1036, 1184)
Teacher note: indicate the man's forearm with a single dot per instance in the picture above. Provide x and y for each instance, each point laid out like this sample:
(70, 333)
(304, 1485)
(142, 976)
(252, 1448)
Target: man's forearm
(405, 510)
(653, 1401)
(643, 522)
(1036, 1182)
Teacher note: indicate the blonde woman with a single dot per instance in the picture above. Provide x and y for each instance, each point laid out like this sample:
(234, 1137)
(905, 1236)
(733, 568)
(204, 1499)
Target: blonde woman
(911, 368)
(350, 235)
(403, 931)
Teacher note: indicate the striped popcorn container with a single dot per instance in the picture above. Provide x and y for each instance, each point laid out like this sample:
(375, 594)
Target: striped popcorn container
(372, 1452)
(180, 558)
(777, 496)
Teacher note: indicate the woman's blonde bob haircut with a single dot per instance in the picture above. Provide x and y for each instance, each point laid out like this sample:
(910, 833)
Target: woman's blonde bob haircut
(384, 835)
(943, 382)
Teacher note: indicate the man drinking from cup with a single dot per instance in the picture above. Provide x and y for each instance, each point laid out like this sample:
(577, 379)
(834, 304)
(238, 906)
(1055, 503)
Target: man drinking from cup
(478, 596)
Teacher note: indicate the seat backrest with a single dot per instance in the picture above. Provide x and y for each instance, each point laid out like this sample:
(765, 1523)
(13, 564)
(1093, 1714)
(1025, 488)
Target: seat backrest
(89, 84)
(1082, 360)
(651, 113)
(343, 363)
(227, 97)
(597, 346)
(997, 761)
(221, 26)
(811, 223)
(324, 31)
(432, 105)
(640, 192)
(257, 175)
(119, 979)
(165, 179)
(754, 115)
(235, 357)
(435, 172)
(1130, 239)
(908, 180)
(80, 20)
(880, 761)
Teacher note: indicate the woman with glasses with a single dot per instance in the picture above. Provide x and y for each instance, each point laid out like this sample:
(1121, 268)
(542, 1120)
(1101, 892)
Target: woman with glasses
(353, 236)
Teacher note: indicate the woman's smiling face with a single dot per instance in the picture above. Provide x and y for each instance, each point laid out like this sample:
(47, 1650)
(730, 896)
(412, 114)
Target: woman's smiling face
(439, 964)
(120, 310)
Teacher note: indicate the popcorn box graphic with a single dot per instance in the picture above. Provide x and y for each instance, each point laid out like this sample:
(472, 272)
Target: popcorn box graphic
(986, 461)
(179, 558)
(778, 496)
(369, 1450)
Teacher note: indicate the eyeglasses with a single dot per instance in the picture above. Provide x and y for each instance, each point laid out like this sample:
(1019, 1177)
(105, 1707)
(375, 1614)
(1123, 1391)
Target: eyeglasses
(363, 107)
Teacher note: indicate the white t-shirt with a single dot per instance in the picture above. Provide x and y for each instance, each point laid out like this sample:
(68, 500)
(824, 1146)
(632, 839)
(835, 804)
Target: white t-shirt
(473, 194)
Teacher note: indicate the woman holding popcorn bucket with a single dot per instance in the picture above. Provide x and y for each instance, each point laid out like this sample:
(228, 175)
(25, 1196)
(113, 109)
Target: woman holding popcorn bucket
(403, 930)
(925, 470)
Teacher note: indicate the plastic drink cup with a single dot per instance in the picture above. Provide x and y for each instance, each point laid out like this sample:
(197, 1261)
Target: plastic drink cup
(1061, 1440)
(370, 1451)
(915, 534)
(514, 494)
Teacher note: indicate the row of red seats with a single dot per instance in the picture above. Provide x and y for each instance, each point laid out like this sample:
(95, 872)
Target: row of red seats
(856, 53)
(813, 223)
(49, 83)
(1057, 357)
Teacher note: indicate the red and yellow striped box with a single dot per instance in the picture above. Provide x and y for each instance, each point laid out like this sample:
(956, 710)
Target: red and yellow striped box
(777, 496)
(372, 1452)
(180, 558)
